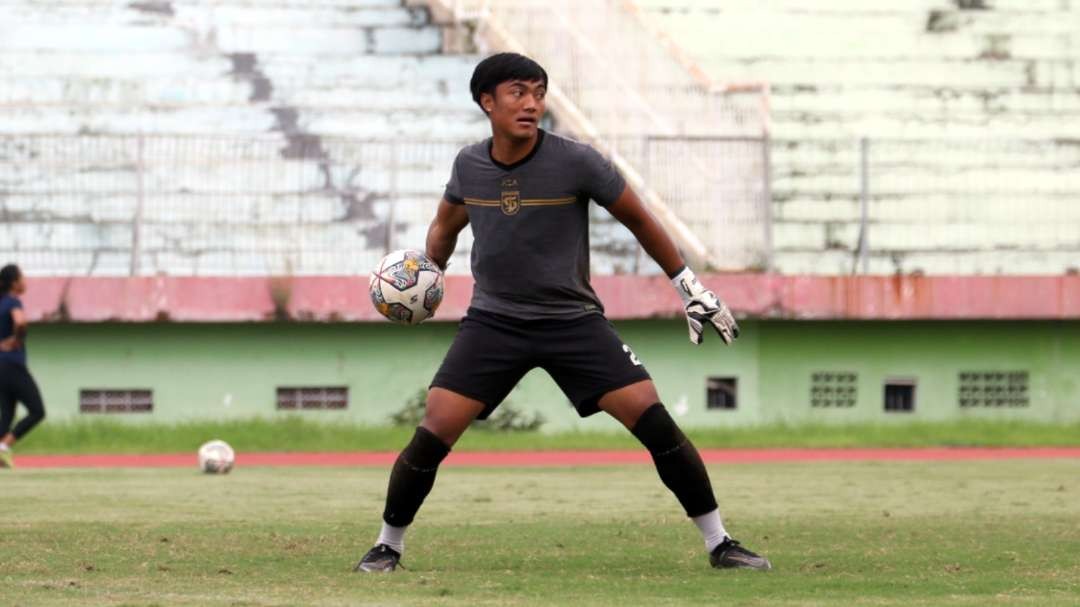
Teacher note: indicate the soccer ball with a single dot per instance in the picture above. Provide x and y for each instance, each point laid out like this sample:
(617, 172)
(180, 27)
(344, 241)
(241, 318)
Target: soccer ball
(406, 287)
(216, 457)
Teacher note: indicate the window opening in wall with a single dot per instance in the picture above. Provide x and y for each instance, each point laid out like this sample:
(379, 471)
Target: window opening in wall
(721, 393)
(900, 395)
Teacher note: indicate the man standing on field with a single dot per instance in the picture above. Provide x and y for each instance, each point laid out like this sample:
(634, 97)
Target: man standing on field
(526, 193)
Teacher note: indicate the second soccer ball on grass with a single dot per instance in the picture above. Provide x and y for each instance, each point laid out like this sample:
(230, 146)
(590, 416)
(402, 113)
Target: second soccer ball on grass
(216, 457)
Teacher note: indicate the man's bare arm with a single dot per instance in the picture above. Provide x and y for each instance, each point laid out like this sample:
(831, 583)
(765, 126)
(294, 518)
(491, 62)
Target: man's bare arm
(633, 214)
(450, 219)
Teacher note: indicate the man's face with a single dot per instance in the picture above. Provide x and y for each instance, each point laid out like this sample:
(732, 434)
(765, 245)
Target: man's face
(516, 108)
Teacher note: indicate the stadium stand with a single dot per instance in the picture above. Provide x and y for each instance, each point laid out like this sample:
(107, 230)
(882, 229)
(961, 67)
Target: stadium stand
(200, 138)
(969, 110)
(215, 137)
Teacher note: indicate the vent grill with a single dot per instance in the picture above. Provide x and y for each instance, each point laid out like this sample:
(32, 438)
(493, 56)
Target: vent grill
(112, 400)
(829, 389)
(312, 397)
(993, 389)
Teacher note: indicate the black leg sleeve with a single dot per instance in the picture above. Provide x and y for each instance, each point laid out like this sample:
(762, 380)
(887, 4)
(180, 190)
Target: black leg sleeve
(413, 477)
(676, 459)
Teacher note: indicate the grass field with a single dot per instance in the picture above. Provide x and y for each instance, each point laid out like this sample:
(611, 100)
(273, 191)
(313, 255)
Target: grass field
(920, 533)
(298, 434)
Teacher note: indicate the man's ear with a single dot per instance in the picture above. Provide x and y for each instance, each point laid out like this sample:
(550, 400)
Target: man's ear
(487, 101)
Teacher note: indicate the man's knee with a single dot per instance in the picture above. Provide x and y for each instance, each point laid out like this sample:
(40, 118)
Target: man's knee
(448, 414)
(627, 404)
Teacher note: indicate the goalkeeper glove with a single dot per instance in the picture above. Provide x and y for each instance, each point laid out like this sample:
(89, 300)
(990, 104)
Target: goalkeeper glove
(704, 307)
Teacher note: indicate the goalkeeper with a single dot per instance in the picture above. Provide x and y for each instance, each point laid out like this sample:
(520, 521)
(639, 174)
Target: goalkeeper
(526, 194)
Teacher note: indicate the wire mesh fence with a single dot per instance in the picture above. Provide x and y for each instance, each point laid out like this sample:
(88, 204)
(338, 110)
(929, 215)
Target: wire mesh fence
(146, 205)
(143, 205)
(936, 206)
(723, 198)
(615, 67)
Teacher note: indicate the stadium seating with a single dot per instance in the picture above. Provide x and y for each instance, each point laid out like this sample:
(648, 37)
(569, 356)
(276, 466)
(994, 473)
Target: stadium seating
(253, 137)
(279, 136)
(276, 136)
(972, 117)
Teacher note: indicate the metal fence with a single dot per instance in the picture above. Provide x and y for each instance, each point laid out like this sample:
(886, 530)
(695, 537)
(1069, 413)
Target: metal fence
(145, 205)
(627, 76)
(624, 85)
(718, 186)
(936, 206)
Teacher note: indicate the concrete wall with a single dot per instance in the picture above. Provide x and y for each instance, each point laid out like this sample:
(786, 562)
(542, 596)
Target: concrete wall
(200, 371)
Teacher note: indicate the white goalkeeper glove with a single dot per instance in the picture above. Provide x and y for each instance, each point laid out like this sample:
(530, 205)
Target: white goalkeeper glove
(704, 307)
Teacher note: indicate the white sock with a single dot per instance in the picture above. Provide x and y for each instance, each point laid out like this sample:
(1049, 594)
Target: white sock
(4, 447)
(392, 536)
(712, 529)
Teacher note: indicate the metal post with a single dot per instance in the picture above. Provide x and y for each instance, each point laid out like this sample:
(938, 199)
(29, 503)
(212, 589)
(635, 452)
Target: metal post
(862, 260)
(140, 195)
(766, 182)
(647, 172)
(393, 197)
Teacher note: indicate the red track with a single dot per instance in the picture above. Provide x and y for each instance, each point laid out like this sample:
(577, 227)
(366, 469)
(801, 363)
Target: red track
(551, 458)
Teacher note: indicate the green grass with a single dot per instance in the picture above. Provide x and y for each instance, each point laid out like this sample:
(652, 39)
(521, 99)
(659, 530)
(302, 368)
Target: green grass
(910, 533)
(297, 434)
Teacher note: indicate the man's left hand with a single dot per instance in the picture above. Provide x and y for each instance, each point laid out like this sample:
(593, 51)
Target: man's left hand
(706, 308)
(703, 307)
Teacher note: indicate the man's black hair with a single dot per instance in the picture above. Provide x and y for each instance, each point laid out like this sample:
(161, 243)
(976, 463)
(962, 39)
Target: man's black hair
(503, 67)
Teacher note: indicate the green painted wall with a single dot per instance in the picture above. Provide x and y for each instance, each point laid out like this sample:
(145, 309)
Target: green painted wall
(933, 352)
(232, 370)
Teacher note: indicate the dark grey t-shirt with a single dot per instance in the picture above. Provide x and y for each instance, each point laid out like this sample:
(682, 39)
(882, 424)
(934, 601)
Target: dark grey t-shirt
(530, 222)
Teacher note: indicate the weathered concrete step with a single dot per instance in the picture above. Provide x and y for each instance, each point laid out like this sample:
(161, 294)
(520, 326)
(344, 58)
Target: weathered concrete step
(308, 41)
(464, 124)
(927, 236)
(971, 262)
(31, 92)
(993, 208)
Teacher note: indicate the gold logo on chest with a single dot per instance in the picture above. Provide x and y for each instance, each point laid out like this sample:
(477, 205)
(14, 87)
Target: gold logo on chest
(510, 203)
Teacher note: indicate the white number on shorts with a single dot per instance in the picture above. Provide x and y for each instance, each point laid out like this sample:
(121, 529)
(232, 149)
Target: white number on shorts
(633, 357)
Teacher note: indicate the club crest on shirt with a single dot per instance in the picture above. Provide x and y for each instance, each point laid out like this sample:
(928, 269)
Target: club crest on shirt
(511, 203)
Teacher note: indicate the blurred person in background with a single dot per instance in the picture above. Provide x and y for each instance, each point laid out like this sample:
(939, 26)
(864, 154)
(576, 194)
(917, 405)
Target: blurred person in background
(16, 383)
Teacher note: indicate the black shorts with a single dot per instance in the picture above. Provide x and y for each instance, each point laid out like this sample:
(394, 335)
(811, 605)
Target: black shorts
(491, 354)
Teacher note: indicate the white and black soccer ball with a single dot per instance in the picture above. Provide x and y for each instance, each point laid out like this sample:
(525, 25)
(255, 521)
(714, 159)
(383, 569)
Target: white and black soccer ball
(406, 287)
(216, 457)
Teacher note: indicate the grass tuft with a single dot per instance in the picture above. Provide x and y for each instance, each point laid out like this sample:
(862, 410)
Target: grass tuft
(298, 434)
